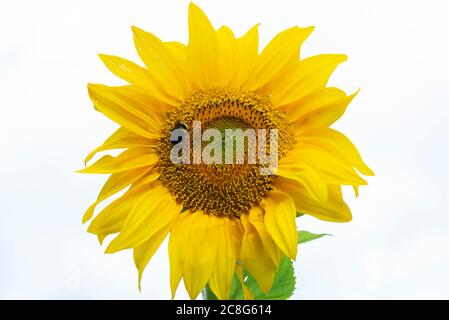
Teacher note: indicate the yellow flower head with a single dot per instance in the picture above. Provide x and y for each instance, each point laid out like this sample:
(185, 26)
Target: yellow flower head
(222, 218)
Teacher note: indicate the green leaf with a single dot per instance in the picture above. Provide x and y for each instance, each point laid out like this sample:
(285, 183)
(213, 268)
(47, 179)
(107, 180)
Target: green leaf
(236, 291)
(208, 294)
(306, 236)
(283, 284)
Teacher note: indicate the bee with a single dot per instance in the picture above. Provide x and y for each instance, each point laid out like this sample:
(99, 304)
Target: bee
(179, 131)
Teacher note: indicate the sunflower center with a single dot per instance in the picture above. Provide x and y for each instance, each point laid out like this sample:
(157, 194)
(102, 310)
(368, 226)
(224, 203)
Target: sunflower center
(228, 123)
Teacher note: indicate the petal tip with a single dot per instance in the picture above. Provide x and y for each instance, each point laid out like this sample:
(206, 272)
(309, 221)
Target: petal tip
(102, 57)
(112, 248)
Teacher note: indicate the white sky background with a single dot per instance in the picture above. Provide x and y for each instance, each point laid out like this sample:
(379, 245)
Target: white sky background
(397, 244)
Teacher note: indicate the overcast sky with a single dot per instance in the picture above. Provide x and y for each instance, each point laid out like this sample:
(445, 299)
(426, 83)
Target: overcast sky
(395, 247)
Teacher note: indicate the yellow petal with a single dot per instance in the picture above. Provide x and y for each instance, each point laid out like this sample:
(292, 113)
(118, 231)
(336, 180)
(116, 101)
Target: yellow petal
(310, 177)
(179, 51)
(202, 52)
(280, 215)
(136, 103)
(319, 109)
(122, 112)
(240, 272)
(144, 252)
(315, 100)
(122, 138)
(199, 253)
(310, 74)
(193, 249)
(227, 62)
(112, 218)
(114, 184)
(161, 62)
(137, 76)
(119, 181)
(256, 218)
(247, 52)
(334, 168)
(337, 143)
(129, 159)
(154, 210)
(223, 272)
(175, 243)
(148, 178)
(101, 238)
(127, 70)
(277, 55)
(145, 103)
(255, 258)
(334, 210)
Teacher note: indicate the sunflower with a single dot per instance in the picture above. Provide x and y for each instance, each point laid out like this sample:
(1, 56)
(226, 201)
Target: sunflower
(221, 219)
